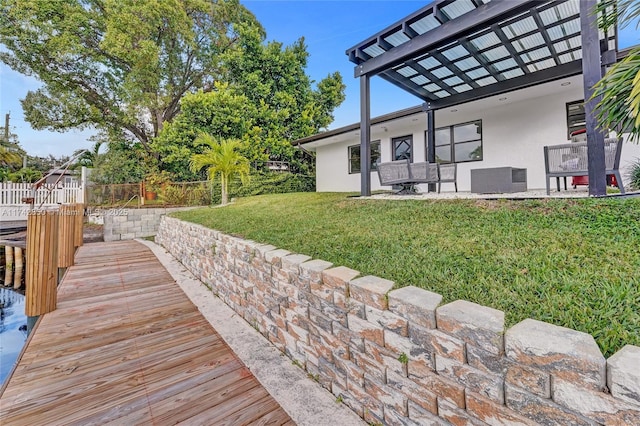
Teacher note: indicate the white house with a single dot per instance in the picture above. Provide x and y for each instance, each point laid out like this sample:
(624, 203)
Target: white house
(499, 79)
(510, 129)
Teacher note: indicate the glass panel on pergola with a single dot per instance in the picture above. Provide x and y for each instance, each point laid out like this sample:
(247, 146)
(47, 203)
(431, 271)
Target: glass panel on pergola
(454, 51)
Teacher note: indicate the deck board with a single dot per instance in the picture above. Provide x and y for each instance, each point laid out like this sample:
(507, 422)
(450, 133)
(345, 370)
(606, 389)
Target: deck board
(126, 346)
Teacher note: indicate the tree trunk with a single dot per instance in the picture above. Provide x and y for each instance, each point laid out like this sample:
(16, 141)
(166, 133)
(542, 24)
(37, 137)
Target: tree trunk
(223, 183)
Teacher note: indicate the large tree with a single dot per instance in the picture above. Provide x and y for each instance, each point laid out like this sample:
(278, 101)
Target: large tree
(620, 87)
(120, 66)
(265, 99)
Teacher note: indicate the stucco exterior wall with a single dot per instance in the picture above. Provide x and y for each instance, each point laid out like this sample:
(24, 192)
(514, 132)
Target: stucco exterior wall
(513, 134)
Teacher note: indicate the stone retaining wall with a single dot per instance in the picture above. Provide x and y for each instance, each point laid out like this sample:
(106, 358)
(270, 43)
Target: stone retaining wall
(129, 223)
(398, 357)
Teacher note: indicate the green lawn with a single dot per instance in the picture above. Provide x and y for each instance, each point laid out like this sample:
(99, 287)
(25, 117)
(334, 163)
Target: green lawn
(573, 263)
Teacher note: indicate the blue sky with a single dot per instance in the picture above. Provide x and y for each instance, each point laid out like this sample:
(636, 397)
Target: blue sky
(329, 28)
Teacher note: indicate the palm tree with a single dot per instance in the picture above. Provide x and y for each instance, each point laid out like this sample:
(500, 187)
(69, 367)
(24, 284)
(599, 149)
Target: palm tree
(220, 158)
(620, 87)
(89, 157)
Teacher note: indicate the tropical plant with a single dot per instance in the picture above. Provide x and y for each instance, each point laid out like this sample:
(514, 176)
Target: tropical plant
(620, 87)
(27, 175)
(221, 158)
(88, 157)
(633, 174)
(156, 180)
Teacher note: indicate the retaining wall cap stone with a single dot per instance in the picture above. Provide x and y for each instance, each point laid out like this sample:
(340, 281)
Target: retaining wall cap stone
(264, 248)
(623, 378)
(473, 314)
(316, 265)
(557, 349)
(275, 254)
(416, 304)
(292, 261)
(342, 272)
(417, 296)
(371, 291)
(373, 284)
(475, 324)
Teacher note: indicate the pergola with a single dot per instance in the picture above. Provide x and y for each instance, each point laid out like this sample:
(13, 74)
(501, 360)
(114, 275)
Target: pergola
(456, 51)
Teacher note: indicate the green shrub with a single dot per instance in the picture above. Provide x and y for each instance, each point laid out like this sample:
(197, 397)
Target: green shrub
(189, 194)
(634, 175)
(266, 183)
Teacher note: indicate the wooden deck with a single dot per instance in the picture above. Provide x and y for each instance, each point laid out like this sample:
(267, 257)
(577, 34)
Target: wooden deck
(126, 346)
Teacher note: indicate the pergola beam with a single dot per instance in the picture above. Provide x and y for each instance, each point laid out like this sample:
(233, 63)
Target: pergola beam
(484, 16)
(522, 82)
(365, 136)
(592, 73)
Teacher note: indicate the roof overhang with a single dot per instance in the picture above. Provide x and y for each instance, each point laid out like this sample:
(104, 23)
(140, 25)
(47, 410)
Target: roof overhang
(356, 126)
(455, 51)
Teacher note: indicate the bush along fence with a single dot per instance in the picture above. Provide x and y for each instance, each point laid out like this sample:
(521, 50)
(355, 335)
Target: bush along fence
(196, 193)
(396, 356)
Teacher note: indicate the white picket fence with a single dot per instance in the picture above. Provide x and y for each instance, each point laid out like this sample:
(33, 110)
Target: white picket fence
(11, 194)
(46, 195)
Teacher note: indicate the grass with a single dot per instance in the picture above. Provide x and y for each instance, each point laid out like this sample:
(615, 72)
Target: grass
(572, 263)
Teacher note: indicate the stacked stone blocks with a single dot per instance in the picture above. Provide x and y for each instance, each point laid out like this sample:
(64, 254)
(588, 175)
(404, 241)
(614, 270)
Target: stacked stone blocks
(130, 223)
(399, 357)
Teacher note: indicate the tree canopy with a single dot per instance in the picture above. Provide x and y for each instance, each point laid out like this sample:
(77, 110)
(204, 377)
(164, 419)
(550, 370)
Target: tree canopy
(264, 98)
(120, 66)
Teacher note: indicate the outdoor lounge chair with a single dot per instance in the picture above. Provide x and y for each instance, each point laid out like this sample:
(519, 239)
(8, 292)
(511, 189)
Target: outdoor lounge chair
(570, 159)
(406, 174)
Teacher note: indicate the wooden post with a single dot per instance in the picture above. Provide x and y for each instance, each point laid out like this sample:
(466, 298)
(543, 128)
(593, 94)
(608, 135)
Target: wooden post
(42, 269)
(79, 225)
(66, 235)
(8, 271)
(17, 279)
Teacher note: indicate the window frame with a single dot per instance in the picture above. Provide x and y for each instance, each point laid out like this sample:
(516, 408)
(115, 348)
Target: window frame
(579, 115)
(374, 164)
(394, 141)
(452, 143)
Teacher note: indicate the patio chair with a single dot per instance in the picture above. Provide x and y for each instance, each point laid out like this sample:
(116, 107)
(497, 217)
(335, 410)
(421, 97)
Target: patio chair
(448, 173)
(570, 159)
(395, 173)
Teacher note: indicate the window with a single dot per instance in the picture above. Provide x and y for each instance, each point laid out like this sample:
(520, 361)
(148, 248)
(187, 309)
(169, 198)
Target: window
(459, 143)
(402, 148)
(575, 117)
(354, 157)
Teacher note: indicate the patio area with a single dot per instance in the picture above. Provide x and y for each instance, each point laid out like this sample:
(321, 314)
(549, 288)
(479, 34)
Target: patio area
(580, 192)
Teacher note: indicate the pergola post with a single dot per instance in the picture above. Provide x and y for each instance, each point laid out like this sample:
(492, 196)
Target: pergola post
(365, 136)
(592, 73)
(431, 139)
